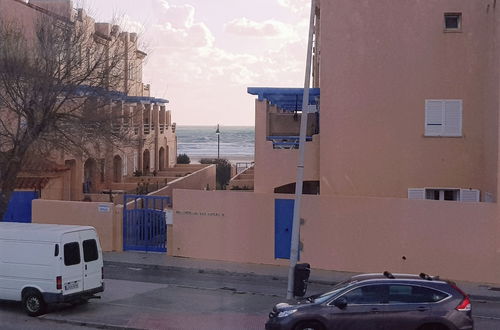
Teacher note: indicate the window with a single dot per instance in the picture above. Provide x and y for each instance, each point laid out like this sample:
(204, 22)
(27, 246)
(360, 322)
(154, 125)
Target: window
(90, 252)
(443, 117)
(367, 295)
(409, 294)
(445, 194)
(452, 22)
(71, 254)
(131, 73)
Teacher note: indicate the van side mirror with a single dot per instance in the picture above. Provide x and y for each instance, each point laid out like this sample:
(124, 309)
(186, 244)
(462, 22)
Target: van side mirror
(340, 303)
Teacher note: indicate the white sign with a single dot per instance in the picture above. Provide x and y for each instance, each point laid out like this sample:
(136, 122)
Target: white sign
(104, 208)
(169, 217)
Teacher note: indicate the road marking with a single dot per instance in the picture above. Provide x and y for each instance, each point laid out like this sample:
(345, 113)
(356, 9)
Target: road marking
(486, 317)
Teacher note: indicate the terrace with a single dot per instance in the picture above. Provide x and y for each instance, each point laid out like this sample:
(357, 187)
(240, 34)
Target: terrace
(283, 121)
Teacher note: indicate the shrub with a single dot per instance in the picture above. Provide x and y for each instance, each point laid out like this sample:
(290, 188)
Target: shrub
(183, 159)
(223, 170)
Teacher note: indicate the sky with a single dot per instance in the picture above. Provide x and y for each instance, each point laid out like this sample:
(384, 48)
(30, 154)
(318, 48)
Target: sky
(203, 54)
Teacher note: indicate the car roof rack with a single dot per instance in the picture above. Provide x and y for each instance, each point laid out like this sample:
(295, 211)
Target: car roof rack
(427, 277)
(388, 274)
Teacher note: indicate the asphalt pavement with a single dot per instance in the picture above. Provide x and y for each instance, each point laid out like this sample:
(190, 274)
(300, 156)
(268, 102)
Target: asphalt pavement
(477, 291)
(154, 291)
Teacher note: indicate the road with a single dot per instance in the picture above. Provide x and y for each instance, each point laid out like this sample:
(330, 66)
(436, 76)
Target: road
(149, 298)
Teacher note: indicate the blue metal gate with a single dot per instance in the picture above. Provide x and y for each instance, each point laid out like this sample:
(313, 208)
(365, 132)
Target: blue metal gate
(19, 209)
(144, 224)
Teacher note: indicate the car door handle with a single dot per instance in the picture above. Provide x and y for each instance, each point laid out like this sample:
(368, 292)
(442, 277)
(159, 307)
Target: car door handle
(85, 267)
(375, 310)
(422, 309)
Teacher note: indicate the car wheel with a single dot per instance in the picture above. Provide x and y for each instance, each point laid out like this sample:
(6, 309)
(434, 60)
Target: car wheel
(309, 325)
(33, 303)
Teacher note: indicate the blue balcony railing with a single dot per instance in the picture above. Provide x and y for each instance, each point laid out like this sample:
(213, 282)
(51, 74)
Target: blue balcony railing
(286, 142)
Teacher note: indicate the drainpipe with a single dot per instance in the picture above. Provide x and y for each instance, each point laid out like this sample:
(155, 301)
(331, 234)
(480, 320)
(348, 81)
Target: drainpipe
(294, 248)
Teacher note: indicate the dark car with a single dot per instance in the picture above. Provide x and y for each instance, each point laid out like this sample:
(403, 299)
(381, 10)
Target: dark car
(379, 302)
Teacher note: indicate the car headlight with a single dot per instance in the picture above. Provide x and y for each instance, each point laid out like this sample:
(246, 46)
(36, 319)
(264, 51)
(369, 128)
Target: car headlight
(286, 313)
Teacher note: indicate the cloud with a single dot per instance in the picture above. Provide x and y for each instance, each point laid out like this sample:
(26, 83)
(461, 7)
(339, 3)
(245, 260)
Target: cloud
(296, 6)
(268, 29)
(202, 80)
(128, 24)
(176, 27)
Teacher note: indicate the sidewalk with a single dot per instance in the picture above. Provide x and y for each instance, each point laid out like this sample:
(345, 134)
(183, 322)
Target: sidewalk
(477, 291)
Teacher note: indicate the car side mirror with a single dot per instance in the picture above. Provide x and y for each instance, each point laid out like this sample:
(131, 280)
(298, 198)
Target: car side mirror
(340, 303)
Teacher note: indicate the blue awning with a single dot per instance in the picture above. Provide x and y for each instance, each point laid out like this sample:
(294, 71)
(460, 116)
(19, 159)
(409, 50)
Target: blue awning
(144, 99)
(288, 99)
(116, 96)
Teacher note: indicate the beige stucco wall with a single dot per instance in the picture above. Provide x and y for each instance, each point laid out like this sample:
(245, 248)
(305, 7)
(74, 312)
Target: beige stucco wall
(108, 224)
(456, 240)
(380, 61)
(200, 179)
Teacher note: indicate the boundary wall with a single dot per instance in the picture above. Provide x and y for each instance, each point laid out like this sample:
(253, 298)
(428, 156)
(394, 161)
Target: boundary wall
(106, 218)
(460, 241)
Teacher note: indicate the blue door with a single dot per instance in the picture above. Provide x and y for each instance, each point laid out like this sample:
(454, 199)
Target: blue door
(19, 209)
(283, 220)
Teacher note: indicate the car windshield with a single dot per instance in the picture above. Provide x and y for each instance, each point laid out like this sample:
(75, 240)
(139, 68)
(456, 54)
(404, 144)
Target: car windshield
(336, 289)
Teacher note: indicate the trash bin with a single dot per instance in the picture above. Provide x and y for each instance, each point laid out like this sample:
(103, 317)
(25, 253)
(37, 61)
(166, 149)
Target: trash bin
(301, 277)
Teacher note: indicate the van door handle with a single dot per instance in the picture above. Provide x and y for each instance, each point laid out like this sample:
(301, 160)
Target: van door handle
(85, 267)
(375, 310)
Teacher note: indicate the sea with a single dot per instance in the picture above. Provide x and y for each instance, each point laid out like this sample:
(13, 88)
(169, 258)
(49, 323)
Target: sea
(237, 143)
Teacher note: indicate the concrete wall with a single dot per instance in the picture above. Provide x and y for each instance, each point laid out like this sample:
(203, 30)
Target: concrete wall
(380, 61)
(456, 240)
(106, 218)
(200, 179)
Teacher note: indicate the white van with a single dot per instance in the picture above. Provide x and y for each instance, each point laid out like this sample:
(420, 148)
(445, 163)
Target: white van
(42, 264)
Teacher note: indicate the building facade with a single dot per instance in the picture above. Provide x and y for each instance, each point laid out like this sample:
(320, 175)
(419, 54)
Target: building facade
(408, 107)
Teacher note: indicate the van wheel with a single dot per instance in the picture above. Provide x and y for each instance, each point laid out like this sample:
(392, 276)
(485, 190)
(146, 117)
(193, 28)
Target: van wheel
(33, 303)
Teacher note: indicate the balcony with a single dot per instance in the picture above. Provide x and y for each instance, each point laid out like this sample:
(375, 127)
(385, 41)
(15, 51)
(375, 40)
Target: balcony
(286, 142)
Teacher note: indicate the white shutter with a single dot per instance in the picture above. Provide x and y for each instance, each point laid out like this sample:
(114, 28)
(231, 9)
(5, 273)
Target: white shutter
(452, 118)
(416, 193)
(469, 195)
(433, 117)
(136, 161)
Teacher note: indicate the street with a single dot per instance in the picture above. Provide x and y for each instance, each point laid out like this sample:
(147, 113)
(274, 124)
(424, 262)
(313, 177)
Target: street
(148, 298)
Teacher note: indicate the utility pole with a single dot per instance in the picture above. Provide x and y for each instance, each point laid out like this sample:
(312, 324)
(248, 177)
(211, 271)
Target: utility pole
(218, 140)
(294, 248)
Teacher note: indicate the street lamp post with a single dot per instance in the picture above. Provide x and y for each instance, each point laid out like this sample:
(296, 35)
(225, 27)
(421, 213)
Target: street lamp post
(295, 242)
(218, 140)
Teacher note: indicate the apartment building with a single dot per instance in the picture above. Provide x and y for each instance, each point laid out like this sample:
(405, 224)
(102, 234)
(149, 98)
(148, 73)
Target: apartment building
(152, 146)
(408, 106)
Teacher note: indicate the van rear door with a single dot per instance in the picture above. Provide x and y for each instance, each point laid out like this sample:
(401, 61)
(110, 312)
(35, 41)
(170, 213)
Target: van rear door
(92, 260)
(72, 266)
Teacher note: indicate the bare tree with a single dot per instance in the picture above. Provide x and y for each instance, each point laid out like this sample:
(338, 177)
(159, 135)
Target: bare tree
(58, 80)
